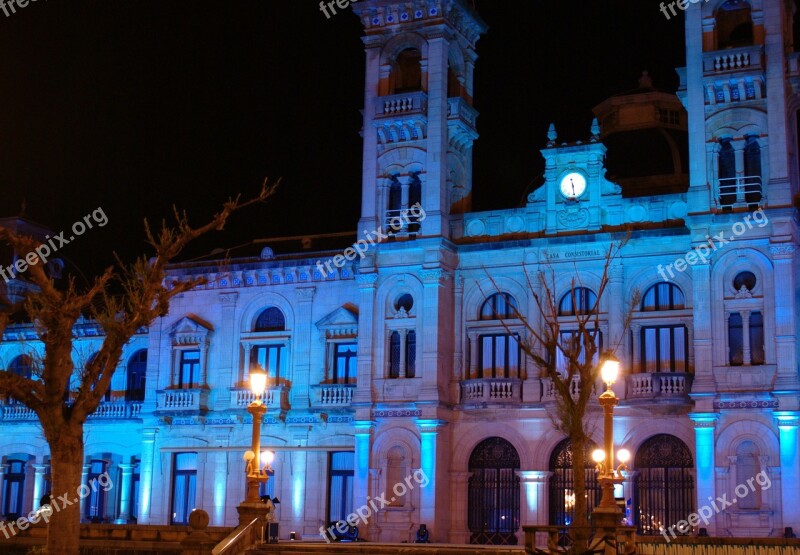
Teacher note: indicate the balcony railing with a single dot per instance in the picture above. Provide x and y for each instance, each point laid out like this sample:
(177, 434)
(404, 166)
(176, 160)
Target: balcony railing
(491, 390)
(17, 412)
(181, 400)
(405, 223)
(734, 59)
(118, 409)
(459, 109)
(657, 385)
(332, 395)
(742, 191)
(549, 392)
(276, 397)
(405, 104)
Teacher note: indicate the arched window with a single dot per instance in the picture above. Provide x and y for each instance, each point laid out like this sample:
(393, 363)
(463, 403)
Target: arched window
(394, 354)
(751, 353)
(395, 195)
(664, 488)
(499, 306)
(663, 296)
(137, 372)
(270, 319)
(726, 173)
(405, 301)
(493, 499)
(562, 483)
(734, 24)
(752, 170)
(407, 72)
(22, 366)
(580, 300)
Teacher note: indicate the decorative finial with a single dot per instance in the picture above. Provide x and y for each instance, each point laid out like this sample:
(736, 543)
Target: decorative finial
(595, 130)
(551, 135)
(645, 82)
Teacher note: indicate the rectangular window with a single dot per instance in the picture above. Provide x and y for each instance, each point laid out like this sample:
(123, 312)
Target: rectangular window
(340, 485)
(735, 339)
(95, 507)
(184, 487)
(190, 369)
(344, 362)
(499, 355)
(394, 355)
(664, 349)
(756, 338)
(269, 357)
(566, 342)
(14, 490)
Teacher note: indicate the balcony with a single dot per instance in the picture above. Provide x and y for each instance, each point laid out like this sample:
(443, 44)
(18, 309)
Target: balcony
(182, 400)
(332, 396)
(117, 410)
(491, 391)
(17, 413)
(406, 224)
(743, 192)
(549, 393)
(659, 385)
(276, 397)
(745, 58)
(405, 104)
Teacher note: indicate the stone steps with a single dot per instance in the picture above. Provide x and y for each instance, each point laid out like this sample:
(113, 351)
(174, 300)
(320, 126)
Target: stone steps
(367, 548)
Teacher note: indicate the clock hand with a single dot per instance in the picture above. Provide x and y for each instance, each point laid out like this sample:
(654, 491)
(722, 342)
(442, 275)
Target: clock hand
(573, 186)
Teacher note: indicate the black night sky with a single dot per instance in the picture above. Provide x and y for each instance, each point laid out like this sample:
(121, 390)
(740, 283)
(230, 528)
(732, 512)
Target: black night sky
(135, 105)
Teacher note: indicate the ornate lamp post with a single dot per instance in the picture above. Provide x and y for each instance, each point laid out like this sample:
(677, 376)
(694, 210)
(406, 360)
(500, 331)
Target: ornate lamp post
(607, 513)
(255, 474)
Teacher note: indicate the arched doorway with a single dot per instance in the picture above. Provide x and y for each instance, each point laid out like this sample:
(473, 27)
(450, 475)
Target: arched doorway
(664, 490)
(562, 483)
(493, 506)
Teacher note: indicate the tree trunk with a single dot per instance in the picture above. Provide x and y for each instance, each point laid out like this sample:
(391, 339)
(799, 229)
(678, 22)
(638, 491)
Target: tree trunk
(66, 464)
(580, 533)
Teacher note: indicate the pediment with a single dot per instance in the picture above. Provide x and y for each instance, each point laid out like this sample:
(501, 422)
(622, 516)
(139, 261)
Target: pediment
(341, 321)
(190, 329)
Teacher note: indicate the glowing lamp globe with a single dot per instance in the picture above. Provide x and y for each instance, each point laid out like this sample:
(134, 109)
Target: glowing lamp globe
(258, 381)
(610, 370)
(248, 455)
(598, 455)
(623, 455)
(268, 457)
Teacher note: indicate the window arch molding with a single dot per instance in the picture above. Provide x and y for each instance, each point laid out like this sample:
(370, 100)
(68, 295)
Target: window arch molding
(479, 291)
(463, 449)
(254, 309)
(675, 297)
(643, 280)
(398, 44)
(723, 298)
(709, 11)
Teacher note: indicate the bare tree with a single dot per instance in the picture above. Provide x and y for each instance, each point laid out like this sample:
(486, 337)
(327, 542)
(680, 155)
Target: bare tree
(54, 311)
(569, 359)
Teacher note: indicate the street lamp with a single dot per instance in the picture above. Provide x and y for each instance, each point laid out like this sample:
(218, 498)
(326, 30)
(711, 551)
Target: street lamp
(255, 474)
(604, 458)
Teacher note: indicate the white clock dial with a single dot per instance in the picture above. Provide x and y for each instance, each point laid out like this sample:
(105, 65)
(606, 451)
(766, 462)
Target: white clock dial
(573, 185)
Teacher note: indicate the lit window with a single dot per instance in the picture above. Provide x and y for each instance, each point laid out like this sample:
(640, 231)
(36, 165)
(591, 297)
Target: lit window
(184, 486)
(189, 369)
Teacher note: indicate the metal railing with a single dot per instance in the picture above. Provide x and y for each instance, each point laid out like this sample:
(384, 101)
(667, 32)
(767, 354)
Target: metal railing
(740, 191)
(241, 539)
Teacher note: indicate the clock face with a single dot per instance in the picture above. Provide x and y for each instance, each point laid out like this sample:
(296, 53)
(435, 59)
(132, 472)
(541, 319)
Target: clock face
(573, 185)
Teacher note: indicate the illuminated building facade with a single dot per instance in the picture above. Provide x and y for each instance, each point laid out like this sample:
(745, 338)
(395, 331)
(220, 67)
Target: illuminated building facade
(407, 360)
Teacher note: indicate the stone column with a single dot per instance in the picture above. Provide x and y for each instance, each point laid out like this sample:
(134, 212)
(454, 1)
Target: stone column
(473, 356)
(403, 339)
(616, 306)
(202, 380)
(745, 316)
(459, 485)
(367, 284)
(226, 370)
(785, 321)
(146, 471)
(372, 528)
(363, 437)
(434, 499)
(790, 467)
(3, 468)
(704, 424)
(301, 355)
(534, 503)
(125, 494)
(636, 363)
(83, 498)
(38, 483)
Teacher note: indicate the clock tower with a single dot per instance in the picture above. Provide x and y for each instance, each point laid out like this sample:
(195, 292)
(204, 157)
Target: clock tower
(576, 196)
